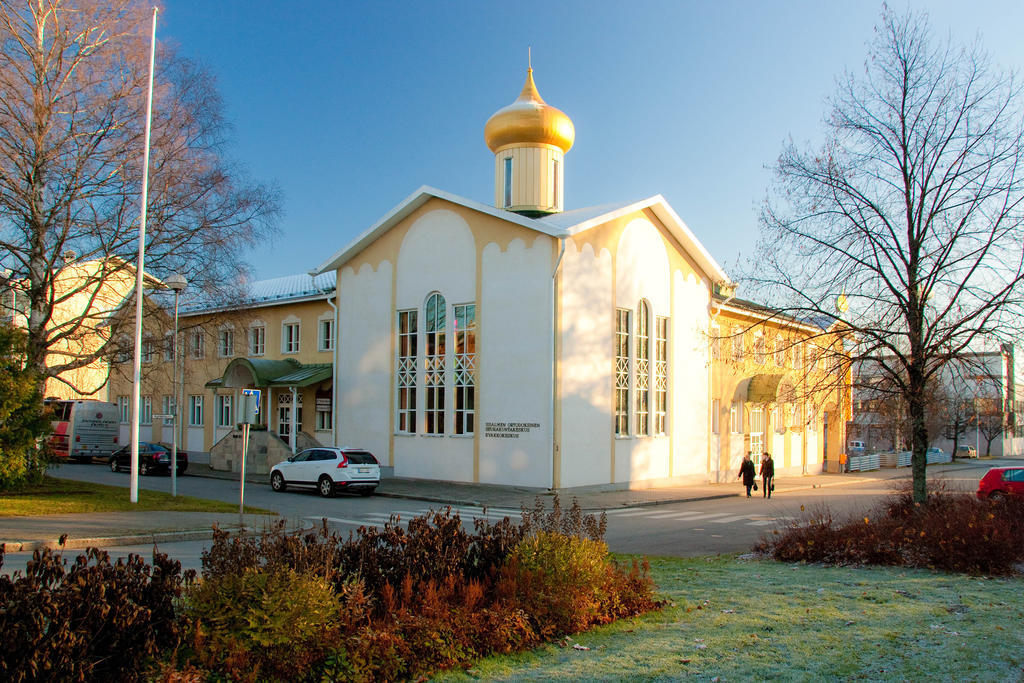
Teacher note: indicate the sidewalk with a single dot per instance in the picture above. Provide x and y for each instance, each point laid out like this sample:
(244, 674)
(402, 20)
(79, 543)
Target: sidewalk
(131, 528)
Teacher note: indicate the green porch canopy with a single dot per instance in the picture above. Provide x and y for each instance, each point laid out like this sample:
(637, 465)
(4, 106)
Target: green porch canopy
(261, 372)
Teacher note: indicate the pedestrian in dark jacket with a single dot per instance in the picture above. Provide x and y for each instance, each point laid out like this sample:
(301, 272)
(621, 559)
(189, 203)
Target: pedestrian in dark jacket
(747, 472)
(767, 474)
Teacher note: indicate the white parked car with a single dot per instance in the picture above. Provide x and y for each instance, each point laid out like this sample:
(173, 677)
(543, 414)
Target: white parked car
(329, 470)
(965, 451)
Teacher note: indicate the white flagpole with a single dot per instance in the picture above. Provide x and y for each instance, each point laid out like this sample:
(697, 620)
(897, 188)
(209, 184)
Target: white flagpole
(139, 275)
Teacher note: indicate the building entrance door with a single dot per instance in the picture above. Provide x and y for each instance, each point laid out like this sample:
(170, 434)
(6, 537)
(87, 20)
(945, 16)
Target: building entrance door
(757, 433)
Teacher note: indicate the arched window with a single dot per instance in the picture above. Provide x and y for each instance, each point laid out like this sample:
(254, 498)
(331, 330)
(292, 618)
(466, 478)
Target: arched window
(643, 368)
(622, 371)
(405, 377)
(435, 321)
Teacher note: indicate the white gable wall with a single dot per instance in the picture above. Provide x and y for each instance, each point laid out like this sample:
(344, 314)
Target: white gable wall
(364, 359)
(585, 382)
(688, 376)
(515, 380)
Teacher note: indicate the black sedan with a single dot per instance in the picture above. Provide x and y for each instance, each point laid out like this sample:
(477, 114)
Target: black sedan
(153, 458)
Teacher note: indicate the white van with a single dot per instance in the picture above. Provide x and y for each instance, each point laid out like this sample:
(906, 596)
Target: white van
(856, 447)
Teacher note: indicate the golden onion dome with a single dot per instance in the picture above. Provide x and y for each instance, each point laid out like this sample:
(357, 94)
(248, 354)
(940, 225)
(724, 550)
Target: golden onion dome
(529, 120)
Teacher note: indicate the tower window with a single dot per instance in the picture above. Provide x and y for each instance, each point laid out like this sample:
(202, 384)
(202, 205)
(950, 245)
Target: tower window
(508, 182)
(554, 183)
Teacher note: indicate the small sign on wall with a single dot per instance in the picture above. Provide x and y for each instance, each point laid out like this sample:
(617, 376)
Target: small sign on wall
(508, 430)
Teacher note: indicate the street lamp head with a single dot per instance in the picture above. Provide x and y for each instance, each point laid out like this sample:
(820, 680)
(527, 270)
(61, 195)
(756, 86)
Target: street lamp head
(175, 282)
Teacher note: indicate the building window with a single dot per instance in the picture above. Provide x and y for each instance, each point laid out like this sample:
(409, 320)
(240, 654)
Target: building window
(147, 411)
(554, 182)
(123, 409)
(226, 343)
(167, 408)
(124, 351)
(798, 356)
(757, 430)
(777, 419)
(257, 340)
(169, 347)
(223, 406)
(622, 371)
(642, 393)
(736, 417)
(660, 375)
(435, 320)
(508, 182)
(716, 409)
(737, 343)
(290, 338)
(195, 410)
(324, 421)
(780, 353)
(325, 341)
(197, 343)
(759, 349)
(716, 342)
(406, 375)
(147, 351)
(289, 421)
(465, 369)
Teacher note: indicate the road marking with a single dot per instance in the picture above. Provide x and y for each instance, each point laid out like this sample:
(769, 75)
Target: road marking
(726, 520)
(678, 515)
(708, 516)
(634, 513)
(761, 522)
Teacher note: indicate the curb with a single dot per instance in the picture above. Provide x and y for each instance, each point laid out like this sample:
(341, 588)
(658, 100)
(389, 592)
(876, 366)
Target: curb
(114, 541)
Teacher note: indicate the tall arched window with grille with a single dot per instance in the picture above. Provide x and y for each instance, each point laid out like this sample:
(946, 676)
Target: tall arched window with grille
(622, 371)
(405, 378)
(643, 368)
(435, 321)
(660, 375)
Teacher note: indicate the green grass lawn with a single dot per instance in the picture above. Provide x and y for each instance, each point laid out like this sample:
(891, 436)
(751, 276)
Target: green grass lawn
(61, 496)
(742, 620)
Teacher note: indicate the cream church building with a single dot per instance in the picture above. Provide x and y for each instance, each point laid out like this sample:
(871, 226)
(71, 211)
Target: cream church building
(525, 344)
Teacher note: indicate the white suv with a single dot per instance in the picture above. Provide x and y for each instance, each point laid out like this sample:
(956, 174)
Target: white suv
(329, 470)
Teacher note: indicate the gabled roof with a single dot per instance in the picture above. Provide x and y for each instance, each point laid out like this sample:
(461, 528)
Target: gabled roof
(584, 219)
(560, 225)
(410, 204)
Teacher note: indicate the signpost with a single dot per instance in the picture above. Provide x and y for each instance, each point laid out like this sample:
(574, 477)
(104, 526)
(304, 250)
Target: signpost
(250, 411)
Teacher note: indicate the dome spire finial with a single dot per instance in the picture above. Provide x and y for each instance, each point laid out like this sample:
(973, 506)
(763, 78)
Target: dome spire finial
(529, 57)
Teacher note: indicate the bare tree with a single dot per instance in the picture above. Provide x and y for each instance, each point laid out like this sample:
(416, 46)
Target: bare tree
(959, 416)
(73, 77)
(909, 216)
(991, 421)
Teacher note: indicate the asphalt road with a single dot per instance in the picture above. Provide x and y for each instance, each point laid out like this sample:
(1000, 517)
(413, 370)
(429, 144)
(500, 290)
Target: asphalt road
(678, 529)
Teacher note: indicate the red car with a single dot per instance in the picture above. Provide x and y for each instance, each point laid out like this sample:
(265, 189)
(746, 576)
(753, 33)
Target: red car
(1000, 482)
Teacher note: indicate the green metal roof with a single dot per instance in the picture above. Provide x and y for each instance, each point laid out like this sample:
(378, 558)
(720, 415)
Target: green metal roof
(313, 373)
(277, 373)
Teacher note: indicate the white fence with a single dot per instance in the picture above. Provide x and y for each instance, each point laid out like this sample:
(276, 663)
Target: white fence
(902, 459)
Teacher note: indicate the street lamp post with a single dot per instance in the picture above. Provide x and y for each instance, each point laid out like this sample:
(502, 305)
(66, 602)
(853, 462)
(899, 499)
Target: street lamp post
(177, 283)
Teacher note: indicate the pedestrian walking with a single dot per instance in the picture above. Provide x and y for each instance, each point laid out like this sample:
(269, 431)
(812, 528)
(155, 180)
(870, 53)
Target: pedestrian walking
(767, 474)
(747, 473)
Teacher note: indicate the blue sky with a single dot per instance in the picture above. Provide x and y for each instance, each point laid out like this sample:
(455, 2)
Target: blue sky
(351, 106)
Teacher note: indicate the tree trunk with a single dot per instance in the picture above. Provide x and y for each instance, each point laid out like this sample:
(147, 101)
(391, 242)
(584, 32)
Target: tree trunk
(917, 409)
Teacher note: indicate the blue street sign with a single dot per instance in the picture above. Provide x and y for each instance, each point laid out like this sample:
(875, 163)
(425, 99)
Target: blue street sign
(254, 401)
